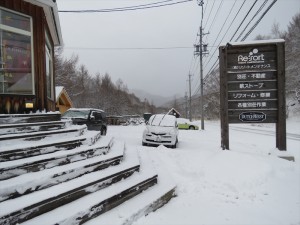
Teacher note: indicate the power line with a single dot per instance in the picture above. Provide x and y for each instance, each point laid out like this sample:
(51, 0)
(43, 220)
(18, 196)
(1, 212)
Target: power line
(257, 22)
(215, 65)
(260, 8)
(223, 27)
(238, 28)
(136, 48)
(205, 8)
(214, 19)
(210, 13)
(129, 8)
(243, 19)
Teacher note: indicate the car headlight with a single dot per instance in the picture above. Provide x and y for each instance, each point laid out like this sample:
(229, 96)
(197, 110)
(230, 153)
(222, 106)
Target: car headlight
(172, 132)
(146, 131)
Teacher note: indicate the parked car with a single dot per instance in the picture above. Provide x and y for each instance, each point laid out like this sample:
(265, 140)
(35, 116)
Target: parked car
(186, 124)
(161, 130)
(95, 119)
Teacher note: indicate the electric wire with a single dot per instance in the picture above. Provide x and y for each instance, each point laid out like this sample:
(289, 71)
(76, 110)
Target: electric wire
(244, 19)
(122, 48)
(126, 7)
(214, 19)
(215, 65)
(257, 22)
(222, 29)
(129, 8)
(258, 11)
(239, 27)
(209, 13)
(205, 8)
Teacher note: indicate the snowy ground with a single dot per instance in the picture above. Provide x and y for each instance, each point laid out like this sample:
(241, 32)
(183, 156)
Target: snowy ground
(247, 185)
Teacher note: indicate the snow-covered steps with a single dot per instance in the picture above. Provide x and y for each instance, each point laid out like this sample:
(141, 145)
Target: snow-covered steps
(99, 187)
(13, 168)
(72, 175)
(31, 127)
(29, 118)
(70, 131)
(143, 204)
(31, 149)
(101, 201)
(25, 149)
(28, 183)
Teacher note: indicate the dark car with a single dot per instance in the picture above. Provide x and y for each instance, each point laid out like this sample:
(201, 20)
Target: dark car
(95, 119)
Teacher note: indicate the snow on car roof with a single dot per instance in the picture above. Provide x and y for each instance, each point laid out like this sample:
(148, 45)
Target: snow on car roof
(85, 109)
(162, 120)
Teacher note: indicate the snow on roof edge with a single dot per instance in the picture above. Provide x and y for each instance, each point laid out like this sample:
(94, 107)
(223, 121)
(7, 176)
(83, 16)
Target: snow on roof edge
(58, 90)
(253, 42)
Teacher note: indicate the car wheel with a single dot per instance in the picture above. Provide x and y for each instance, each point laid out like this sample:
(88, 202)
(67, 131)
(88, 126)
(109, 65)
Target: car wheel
(103, 132)
(175, 145)
(192, 128)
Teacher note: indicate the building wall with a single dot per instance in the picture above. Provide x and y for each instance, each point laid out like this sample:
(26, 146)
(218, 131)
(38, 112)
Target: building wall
(41, 102)
(63, 103)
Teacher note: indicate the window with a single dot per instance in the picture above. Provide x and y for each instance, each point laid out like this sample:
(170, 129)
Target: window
(16, 68)
(49, 69)
(97, 115)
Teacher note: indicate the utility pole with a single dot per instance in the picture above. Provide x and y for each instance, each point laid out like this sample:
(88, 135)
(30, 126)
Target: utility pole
(186, 105)
(190, 99)
(201, 51)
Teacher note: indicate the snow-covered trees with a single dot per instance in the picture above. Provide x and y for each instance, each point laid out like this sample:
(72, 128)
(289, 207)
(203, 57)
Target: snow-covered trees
(96, 91)
(292, 37)
(292, 64)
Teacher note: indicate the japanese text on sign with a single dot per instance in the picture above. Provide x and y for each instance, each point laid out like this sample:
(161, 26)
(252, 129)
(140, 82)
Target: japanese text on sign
(251, 95)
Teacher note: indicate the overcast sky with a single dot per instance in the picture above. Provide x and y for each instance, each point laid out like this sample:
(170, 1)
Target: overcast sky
(152, 49)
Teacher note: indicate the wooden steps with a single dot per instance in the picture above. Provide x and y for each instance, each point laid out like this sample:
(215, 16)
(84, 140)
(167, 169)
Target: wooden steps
(72, 176)
(29, 118)
(18, 167)
(27, 183)
(71, 131)
(31, 127)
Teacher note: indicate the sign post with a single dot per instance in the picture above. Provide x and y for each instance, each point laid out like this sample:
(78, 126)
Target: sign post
(252, 86)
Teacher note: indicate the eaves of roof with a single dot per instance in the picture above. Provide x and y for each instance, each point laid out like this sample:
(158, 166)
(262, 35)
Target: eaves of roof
(51, 12)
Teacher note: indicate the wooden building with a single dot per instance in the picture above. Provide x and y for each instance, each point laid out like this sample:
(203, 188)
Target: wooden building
(63, 101)
(174, 112)
(29, 31)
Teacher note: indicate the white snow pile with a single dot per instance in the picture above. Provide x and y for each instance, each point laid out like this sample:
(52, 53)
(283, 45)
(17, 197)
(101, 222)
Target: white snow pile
(249, 184)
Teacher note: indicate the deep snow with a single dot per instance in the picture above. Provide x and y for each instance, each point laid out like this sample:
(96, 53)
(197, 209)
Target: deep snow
(249, 184)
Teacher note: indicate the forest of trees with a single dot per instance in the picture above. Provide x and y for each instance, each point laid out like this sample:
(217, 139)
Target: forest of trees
(292, 64)
(99, 91)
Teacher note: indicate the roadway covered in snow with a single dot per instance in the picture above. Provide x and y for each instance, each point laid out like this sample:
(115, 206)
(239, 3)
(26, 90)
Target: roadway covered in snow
(249, 184)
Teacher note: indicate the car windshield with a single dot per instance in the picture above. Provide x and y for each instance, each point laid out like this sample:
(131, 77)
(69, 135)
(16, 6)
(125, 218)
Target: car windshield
(76, 114)
(162, 120)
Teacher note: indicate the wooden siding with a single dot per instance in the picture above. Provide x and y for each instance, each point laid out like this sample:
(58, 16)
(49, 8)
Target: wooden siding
(39, 26)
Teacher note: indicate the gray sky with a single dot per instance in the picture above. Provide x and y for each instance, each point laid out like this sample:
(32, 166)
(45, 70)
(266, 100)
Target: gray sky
(118, 42)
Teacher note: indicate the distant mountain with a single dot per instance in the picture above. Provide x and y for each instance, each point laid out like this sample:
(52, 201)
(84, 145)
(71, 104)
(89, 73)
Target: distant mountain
(157, 100)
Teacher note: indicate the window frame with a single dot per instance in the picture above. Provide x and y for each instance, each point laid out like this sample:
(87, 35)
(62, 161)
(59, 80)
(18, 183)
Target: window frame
(25, 33)
(49, 53)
